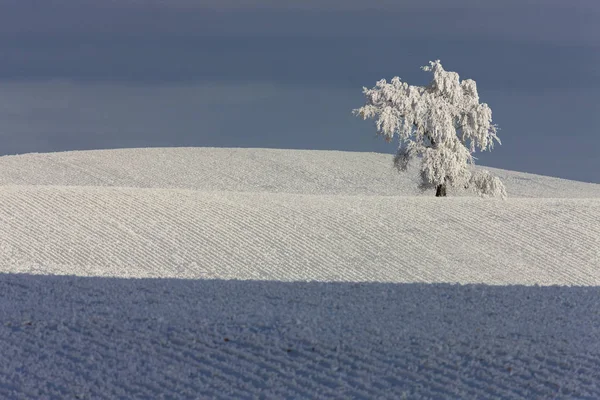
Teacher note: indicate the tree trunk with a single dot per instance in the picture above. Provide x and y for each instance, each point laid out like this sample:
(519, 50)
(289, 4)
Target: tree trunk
(440, 191)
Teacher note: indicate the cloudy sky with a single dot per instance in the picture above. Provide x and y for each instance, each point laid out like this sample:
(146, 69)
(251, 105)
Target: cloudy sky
(89, 74)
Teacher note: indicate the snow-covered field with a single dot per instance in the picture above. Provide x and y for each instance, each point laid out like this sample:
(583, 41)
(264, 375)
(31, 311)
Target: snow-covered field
(290, 274)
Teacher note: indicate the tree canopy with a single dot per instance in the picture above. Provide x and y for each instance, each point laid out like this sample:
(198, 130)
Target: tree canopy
(442, 123)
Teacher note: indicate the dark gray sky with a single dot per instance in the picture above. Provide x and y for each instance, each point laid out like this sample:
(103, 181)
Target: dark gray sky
(83, 74)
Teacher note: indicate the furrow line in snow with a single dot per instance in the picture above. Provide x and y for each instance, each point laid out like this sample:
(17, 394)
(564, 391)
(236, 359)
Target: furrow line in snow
(193, 234)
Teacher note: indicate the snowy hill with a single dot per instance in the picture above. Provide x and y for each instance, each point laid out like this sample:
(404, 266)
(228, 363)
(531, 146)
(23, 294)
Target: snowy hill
(251, 170)
(290, 274)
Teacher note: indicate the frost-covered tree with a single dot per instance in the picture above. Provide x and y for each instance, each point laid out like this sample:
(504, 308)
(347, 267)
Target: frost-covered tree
(442, 123)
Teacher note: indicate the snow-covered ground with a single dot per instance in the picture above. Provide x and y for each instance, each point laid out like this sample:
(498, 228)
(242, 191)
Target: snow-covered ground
(290, 274)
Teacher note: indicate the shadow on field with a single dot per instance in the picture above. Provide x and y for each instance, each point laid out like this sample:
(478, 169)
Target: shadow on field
(67, 336)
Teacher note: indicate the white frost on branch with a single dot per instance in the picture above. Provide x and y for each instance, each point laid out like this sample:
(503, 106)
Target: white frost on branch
(442, 123)
(487, 185)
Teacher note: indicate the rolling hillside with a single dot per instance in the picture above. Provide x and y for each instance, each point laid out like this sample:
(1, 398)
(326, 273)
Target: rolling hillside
(290, 274)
